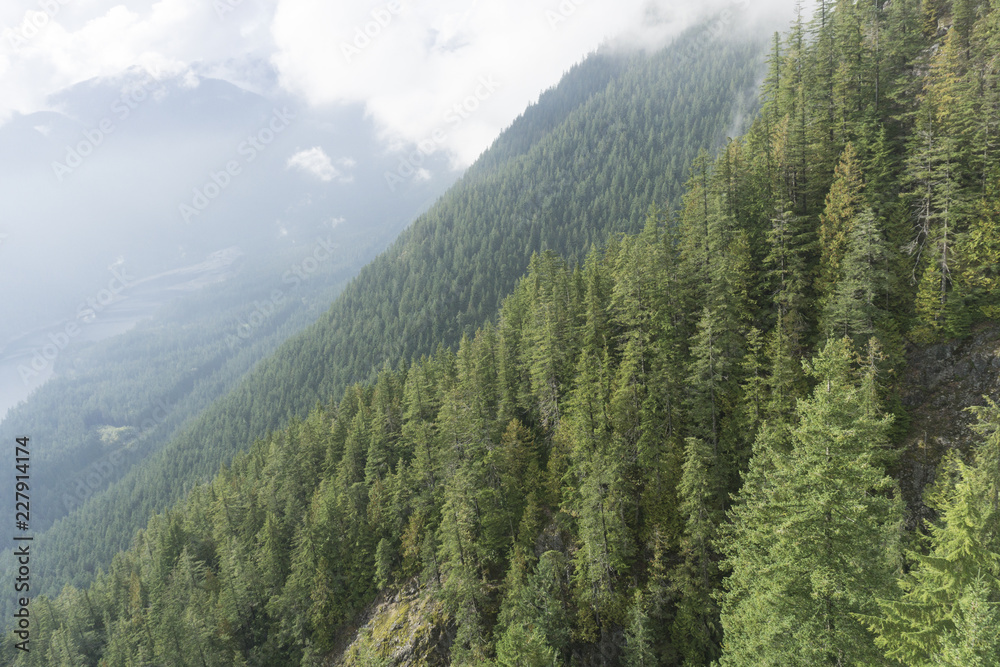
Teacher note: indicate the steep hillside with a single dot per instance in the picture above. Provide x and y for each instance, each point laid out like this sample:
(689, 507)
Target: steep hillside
(499, 502)
(706, 443)
(942, 380)
(620, 145)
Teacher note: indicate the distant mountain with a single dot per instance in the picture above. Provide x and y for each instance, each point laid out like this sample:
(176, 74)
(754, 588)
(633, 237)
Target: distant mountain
(135, 169)
(137, 319)
(97, 189)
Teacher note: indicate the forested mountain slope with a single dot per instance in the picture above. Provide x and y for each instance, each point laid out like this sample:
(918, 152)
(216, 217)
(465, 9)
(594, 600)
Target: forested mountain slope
(689, 446)
(550, 492)
(589, 159)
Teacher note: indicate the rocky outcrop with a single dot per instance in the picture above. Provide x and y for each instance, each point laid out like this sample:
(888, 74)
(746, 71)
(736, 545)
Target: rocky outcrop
(940, 382)
(400, 629)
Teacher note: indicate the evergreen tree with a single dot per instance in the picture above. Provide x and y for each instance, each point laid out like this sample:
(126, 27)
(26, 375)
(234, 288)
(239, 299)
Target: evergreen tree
(935, 169)
(843, 204)
(638, 638)
(813, 539)
(981, 255)
(856, 306)
(696, 633)
(949, 594)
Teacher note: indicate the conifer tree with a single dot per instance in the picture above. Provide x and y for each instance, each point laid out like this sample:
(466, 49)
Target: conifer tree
(696, 633)
(532, 626)
(948, 596)
(843, 203)
(813, 538)
(856, 306)
(638, 637)
(981, 255)
(786, 269)
(936, 173)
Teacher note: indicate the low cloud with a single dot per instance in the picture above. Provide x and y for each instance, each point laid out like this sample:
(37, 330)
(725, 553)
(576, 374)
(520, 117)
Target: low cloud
(410, 63)
(43, 52)
(316, 162)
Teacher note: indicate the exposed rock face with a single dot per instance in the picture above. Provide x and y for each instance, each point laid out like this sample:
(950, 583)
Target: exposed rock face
(940, 383)
(400, 629)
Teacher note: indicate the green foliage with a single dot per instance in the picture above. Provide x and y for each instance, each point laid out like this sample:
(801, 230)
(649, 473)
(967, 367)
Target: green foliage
(842, 206)
(949, 598)
(673, 452)
(813, 540)
(857, 306)
(523, 646)
(696, 632)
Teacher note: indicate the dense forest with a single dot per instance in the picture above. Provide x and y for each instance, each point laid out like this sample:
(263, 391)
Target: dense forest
(674, 448)
(563, 176)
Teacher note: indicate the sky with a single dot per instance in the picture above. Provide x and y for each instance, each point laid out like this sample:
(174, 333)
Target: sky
(417, 67)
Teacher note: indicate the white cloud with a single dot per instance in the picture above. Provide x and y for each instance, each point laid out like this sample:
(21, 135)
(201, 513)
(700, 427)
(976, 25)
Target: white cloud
(410, 63)
(101, 38)
(191, 79)
(315, 161)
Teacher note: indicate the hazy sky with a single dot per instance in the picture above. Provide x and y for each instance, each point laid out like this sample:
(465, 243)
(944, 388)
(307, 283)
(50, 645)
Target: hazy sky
(413, 64)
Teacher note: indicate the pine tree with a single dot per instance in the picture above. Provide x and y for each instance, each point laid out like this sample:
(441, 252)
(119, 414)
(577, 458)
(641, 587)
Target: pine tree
(936, 172)
(949, 592)
(787, 270)
(694, 221)
(974, 642)
(524, 624)
(796, 150)
(696, 633)
(524, 646)
(843, 203)
(638, 637)
(981, 255)
(820, 94)
(550, 345)
(855, 308)
(813, 539)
